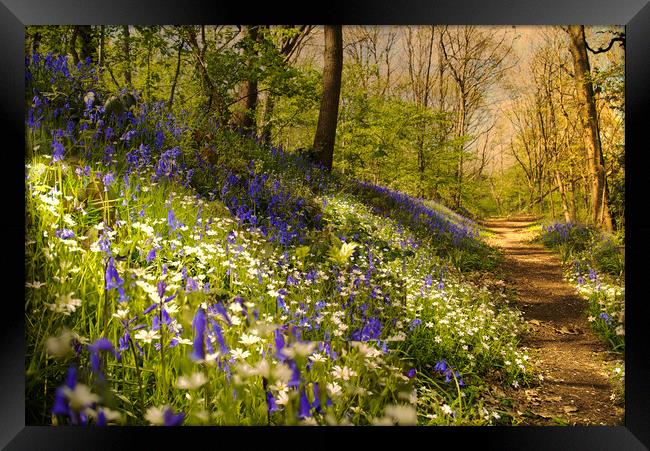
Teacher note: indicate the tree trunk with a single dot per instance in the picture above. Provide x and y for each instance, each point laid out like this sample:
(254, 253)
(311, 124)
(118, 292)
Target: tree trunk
(329, 106)
(573, 210)
(102, 47)
(126, 50)
(244, 117)
(87, 49)
(73, 45)
(461, 148)
(425, 103)
(268, 115)
(600, 206)
(36, 41)
(551, 202)
(565, 204)
(178, 69)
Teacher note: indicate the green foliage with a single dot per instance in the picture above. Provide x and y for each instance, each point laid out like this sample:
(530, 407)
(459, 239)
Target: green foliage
(596, 264)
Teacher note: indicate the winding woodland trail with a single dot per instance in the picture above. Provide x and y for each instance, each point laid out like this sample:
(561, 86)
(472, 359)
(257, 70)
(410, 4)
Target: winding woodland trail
(562, 348)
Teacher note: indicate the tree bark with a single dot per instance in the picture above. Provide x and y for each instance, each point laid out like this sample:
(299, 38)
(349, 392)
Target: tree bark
(600, 206)
(329, 107)
(178, 69)
(573, 209)
(102, 47)
(87, 49)
(126, 50)
(36, 41)
(425, 103)
(267, 119)
(73, 45)
(461, 149)
(244, 117)
(563, 196)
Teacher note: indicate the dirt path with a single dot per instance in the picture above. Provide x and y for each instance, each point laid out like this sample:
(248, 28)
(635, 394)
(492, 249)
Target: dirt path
(575, 388)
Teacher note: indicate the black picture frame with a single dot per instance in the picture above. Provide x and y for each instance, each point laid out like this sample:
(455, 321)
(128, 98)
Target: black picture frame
(16, 14)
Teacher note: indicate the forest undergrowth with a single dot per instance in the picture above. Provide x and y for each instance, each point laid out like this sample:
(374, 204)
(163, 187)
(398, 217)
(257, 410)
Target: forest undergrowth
(179, 274)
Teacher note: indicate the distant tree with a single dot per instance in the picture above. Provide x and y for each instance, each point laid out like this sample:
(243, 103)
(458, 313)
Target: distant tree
(329, 107)
(475, 59)
(419, 68)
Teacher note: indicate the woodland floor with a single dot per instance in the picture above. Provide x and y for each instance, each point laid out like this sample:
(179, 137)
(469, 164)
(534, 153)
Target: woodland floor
(575, 389)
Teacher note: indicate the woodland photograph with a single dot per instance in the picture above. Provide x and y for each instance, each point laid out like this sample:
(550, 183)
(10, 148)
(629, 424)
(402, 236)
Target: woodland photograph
(271, 225)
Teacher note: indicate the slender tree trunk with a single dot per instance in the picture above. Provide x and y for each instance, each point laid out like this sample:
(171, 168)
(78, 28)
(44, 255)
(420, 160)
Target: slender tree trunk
(244, 117)
(589, 118)
(178, 69)
(421, 135)
(102, 47)
(268, 115)
(73, 45)
(329, 107)
(551, 201)
(126, 50)
(565, 204)
(461, 148)
(36, 41)
(573, 210)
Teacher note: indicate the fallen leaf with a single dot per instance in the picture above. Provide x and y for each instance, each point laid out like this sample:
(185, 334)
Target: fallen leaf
(535, 322)
(554, 398)
(565, 330)
(569, 409)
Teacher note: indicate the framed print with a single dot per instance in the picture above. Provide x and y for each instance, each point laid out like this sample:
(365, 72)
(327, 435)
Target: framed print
(411, 217)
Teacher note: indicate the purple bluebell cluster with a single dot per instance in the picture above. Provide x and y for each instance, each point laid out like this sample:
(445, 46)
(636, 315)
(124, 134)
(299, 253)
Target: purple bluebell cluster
(566, 232)
(113, 280)
(413, 212)
(270, 204)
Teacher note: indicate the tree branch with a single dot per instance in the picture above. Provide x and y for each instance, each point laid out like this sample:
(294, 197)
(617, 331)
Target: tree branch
(618, 38)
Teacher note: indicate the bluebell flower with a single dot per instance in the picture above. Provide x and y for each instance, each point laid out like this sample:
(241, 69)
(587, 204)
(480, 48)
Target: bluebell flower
(219, 335)
(199, 325)
(218, 308)
(108, 180)
(61, 405)
(161, 285)
(441, 366)
(65, 234)
(124, 342)
(295, 375)
(101, 344)
(57, 151)
(415, 323)
(304, 406)
(113, 279)
(151, 255)
(279, 344)
(173, 419)
(270, 403)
